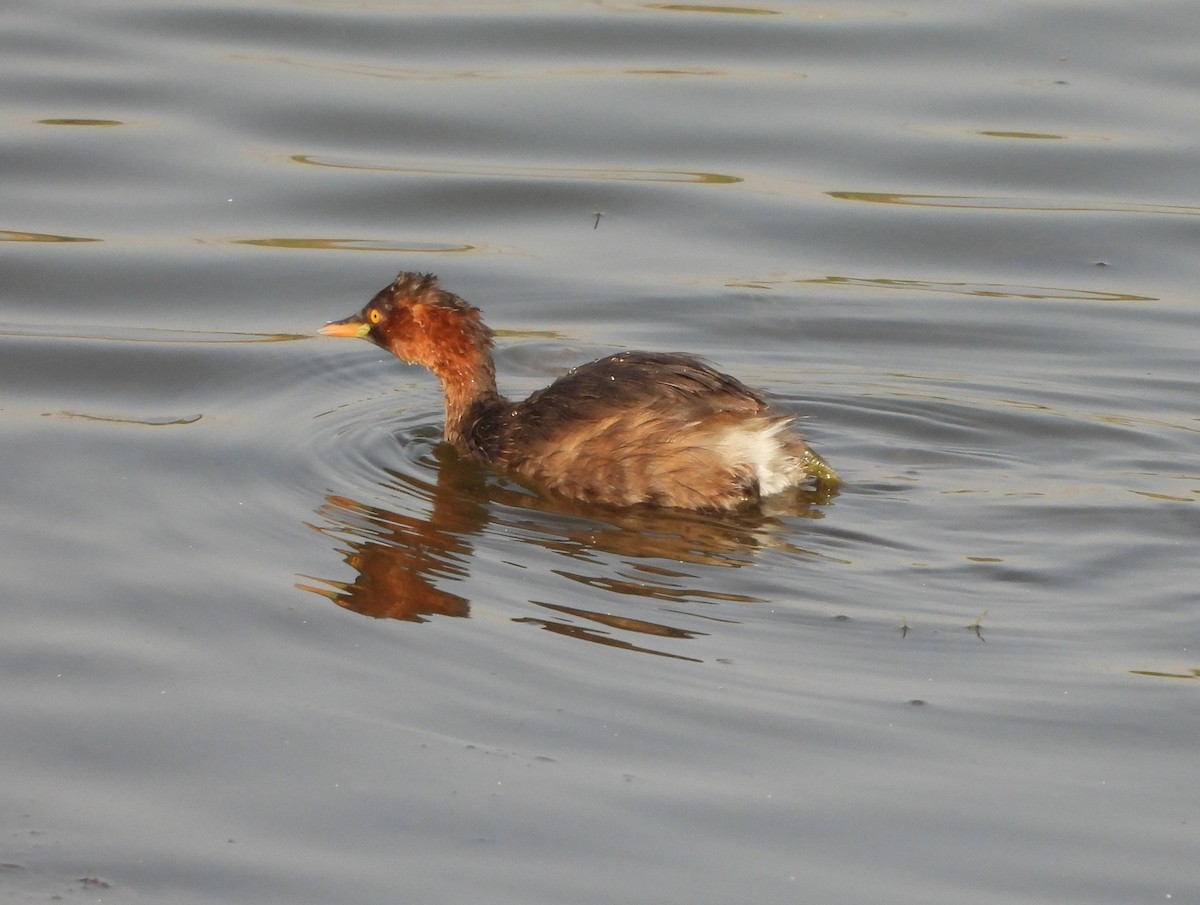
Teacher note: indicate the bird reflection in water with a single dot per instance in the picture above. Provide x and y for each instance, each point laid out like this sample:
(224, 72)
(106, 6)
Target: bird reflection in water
(403, 561)
(398, 557)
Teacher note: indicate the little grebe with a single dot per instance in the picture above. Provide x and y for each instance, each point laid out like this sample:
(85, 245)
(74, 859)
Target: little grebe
(637, 427)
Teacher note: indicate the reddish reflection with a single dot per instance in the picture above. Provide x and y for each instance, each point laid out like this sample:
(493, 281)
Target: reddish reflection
(404, 561)
(399, 557)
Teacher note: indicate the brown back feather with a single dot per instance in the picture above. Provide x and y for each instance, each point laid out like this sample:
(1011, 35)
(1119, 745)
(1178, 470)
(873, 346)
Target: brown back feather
(633, 427)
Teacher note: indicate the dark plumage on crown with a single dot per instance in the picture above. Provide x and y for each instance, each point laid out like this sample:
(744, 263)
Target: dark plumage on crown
(424, 289)
(415, 284)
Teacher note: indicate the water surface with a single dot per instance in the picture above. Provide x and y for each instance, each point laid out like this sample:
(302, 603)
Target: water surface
(265, 640)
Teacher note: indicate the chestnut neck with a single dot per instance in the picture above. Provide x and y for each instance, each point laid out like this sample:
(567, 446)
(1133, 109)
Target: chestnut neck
(470, 391)
(457, 349)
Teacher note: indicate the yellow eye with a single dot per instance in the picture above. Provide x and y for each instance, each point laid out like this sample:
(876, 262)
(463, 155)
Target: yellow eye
(374, 316)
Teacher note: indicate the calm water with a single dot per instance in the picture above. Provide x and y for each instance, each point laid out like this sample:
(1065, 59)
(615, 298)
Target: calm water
(265, 641)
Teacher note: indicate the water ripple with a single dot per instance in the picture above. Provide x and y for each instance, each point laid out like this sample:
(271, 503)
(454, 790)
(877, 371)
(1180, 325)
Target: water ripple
(150, 335)
(951, 287)
(162, 421)
(1001, 203)
(81, 122)
(309, 244)
(10, 235)
(504, 171)
(426, 74)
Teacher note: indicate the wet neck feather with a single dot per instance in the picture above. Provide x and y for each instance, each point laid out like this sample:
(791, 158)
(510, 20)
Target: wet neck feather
(458, 352)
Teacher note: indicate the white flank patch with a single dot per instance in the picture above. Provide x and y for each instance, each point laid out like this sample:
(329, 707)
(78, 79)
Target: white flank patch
(759, 448)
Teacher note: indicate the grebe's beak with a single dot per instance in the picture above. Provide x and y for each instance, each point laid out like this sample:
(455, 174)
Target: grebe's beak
(352, 326)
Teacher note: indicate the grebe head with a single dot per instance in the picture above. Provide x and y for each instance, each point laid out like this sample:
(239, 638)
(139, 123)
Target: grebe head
(421, 323)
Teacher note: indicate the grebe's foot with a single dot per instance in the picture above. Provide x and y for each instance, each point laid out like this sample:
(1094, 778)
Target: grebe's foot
(818, 469)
